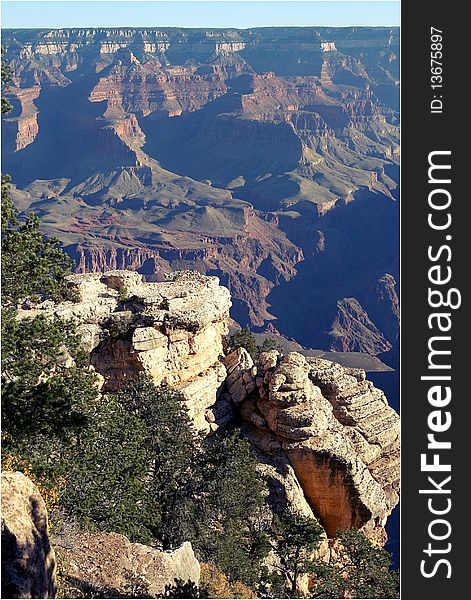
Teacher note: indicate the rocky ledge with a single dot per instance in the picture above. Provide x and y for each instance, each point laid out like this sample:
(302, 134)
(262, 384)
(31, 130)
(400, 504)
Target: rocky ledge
(172, 330)
(110, 562)
(326, 438)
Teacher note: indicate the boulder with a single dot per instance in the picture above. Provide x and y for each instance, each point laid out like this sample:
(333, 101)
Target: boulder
(28, 561)
(369, 422)
(172, 330)
(241, 373)
(110, 562)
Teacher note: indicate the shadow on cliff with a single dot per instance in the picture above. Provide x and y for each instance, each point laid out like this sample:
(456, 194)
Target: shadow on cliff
(218, 144)
(346, 251)
(70, 142)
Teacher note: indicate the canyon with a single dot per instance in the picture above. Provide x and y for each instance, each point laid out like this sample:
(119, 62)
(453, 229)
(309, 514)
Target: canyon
(266, 157)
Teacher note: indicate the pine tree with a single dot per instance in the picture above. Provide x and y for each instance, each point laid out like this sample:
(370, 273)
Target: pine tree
(54, 420)
(6, 78)
(172, 450)
(296, 537)
(362, 571)
(235, 536)
(244, 339)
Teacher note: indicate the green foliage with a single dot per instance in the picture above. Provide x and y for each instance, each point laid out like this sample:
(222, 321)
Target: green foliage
(270, 344)
(33, 267)
(243, 339)
(363, 571)
(6, 78)
(246, 339)
(182, 590)
(235, 533)
(35, 347)
(296, 537)
(40, 397)
(172, 447)
(107, 472)
(9, 213)
(207, 491)
(123, 294)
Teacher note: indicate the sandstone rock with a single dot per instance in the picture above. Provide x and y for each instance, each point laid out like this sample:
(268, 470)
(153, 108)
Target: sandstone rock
(171, 330)
(109, 561)
(284, 489)
(332, 427)
(241, 374)
(372, 425)
(28, 561)
(338, 434)
(201, 393)
(269, 360)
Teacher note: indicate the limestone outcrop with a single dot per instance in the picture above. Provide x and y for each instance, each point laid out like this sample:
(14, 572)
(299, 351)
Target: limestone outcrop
(368, 420)
(28, 561)
(335, 430)
(171, 330)
(110, 562)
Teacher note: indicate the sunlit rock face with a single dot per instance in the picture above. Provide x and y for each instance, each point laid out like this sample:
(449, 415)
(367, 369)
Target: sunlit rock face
(335, 429)
(171, 330)
(326, 439)
(28, 561)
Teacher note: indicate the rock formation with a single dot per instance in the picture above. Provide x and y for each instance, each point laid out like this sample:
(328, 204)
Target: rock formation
(171, 330)
(110, 562)
(326, 438)
(28, 561)
(332, 426)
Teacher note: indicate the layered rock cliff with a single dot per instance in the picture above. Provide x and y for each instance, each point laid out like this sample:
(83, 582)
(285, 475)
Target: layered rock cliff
(268, 157)
(171, 330)
(326, 438)
(335, 429)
